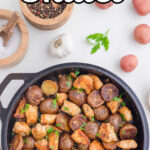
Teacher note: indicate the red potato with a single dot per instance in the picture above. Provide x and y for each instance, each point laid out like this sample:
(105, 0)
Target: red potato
(142, 34)
(142, 6)
(104, 6)
(128, 63)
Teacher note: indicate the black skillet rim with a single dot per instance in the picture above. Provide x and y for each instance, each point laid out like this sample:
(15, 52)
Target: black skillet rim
(36, 76)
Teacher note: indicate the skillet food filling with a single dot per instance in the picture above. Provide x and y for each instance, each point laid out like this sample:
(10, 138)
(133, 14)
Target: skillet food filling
(75, 112)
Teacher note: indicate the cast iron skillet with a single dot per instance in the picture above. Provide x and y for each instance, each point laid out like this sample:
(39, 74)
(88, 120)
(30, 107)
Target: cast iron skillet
(36, 78)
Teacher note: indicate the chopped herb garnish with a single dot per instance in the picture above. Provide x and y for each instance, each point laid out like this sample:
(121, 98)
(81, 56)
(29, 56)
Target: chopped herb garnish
(52, 147)
(116, 99)
(77, 72)
(123, 117)
(97, 40)
(57, 133)
(123, 132)
(68, 83)
(66, 108)
(82, 126)
(81, 90)
(123, 104)
(120, 96)
(46, 137)
(120, 125)
(12, 133)
(106, 121)
(84, 117)
(69, 77)
(58, 124)
(92, 118)
(24, 110)
(136, 132)
(55, 102)
(50, 130)
(39, 119)
(97, 134)
(25, 140)
(73, 88)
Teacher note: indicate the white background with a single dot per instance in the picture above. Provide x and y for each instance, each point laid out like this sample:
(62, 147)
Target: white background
(87, 19)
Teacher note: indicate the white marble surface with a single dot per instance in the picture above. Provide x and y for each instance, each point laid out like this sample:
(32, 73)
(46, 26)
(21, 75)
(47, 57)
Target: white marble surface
(87, 19)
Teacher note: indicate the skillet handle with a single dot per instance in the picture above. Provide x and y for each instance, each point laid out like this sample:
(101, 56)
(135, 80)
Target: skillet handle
(5, 82)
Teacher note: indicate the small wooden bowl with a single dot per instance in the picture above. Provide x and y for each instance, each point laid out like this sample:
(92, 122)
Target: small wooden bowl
(20, 53)
(47, 24)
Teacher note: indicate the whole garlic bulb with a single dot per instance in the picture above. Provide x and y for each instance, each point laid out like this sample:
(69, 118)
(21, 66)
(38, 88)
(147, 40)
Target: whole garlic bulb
(61, 46)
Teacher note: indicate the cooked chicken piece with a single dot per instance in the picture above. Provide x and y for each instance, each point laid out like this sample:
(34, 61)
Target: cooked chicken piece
(107, 133)
(125, 111)
(21, 128)
(53, 140)
(88, 111)
(21, 105)
(114, 106)
(42, 144)
(95, 145)
(32, 115)
(71, 108)
(61, 98)
(127, 144)
(39, 131)
(47, 119)
(96, 82)
(80, 137)
(84, 82)
(54, 127)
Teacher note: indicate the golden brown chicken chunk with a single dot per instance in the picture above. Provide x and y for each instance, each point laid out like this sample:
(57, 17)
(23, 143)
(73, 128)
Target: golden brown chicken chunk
(42, 144)
(95, 145)
(127, 144)
(88, 111)
(47, 119)
(61, 98)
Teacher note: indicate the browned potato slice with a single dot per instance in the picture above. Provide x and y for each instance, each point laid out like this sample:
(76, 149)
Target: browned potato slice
(70, 108)
(42, 144)
(62, 121)
(17, 143)
(61, 98)
(47, 119)
(39, 131)
(53, 140)
(29, 143)
(79, 137)
(88, 111)
(21, 105)
(95, 145)
(128, 131)
(126, 112)
(110, 145)
(107, 133)
(96, 82)
(32, 115)
(34, 95)
(66, 142)
(94, 99)
(127, 144)
(21, 128)
(84, 82)
(114, 106)
(49, 87)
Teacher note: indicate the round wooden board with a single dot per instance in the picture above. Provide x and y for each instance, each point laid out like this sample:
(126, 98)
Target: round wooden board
(20, 53)
(46, 24)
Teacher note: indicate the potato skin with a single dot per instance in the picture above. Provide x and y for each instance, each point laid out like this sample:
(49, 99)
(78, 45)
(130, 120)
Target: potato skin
(128, 131)
(91, 129)
(63, 120)
(47, 107)
(84, 82)
(34, 95)
(66, 142)
(17, 143)
(101, 113)
(49, 87)
(141, 6)
(95, 145)
(94, 99)
(110, 145)
(79, 137)
(116, 121)
(30, 143)
(76, 122)
(77, 97)
(65, 83)
(104, 6)
(88, 111)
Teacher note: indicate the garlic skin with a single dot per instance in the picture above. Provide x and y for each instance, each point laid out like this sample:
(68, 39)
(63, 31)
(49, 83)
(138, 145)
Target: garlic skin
(61, 46)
